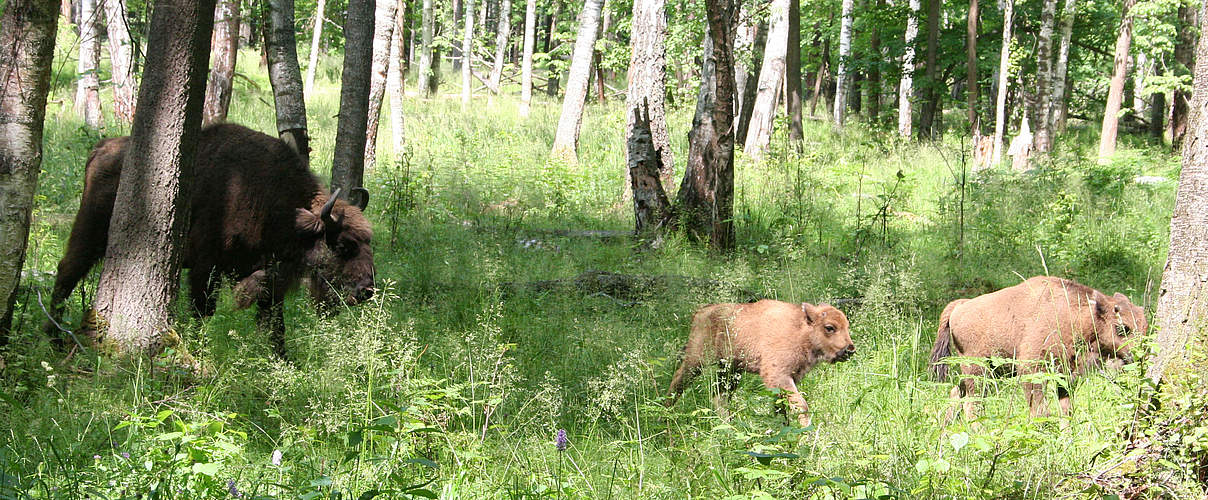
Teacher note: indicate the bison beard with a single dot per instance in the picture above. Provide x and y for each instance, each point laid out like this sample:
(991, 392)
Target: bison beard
(257, 216)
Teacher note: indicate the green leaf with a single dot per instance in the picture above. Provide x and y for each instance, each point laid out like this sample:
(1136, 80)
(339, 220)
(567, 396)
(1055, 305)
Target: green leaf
(958, 440)
(426, 493)
(209, 469)
(368, 495)
(423, 461)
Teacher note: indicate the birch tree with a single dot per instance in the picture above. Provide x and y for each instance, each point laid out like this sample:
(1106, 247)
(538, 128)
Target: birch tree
(88, 85)
(1057, 103)
(1184, 56)
(971, 86)
(286, 78)
(1004, 66)
(771, 73)
(566, 139)
(526, 64)
(383, 35)
(906, 85)
(467, 53)
(427, 69)
(933, 88)
(224, 51)
(647, 82)
(121, 60)
(396, 80)
(793, 75)
(502, 35)
(348, 159)
(1043, 136)
(745, 93)
(315, 38)
(1115, 90)
(841, 76)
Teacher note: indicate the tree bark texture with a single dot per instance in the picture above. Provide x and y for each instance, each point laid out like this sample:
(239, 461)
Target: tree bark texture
(348, 160)
(551, 77)
(874, 70)
(647, 82)
(315, 38)
(566, 139)
(1183, 297)
(1115, 90)
(141, 274)
(744, 40)
(526, 65)
(385, 14)
(1184, 56)
(467, 53)
(841, 77)
(27, 35)
(651, 208)
(282, 51)
(1004, 65)
(1157, 110)
(1043, 137)
(823, 73)
(88, 85)
(792, 84)
(750, 84)
(502, 35)
(771, 73)
(397, 79)
(971, 86)
(121, 60)
(224, 51)
(906, 85)
(1057, 103)
(426, 77)
(934, 86)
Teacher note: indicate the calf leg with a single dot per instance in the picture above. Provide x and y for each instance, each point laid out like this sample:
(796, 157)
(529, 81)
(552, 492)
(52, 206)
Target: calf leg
(688, 369)
(728, 377)
(1034, 393)
(1063, 399)
(965, 387)
(784, 381)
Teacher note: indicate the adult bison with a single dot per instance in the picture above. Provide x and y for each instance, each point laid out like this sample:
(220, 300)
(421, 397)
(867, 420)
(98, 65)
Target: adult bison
(257, 216)
(1044, 323)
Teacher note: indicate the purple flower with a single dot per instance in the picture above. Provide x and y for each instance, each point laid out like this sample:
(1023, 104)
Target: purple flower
(276, 458)
(126, 455)
(231, 488)
(560, 440)
(96, 457)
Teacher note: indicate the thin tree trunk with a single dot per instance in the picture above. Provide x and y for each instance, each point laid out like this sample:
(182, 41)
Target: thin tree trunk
(150, 218)
(971, 86)
(1043, 137)
(841, 77)
(286, 79)
(501, 43)
(1056, 111)
(315, 37)
(934, 87)
(647, 83)
(88, 93)
(1184, 56)
(383, 35)
(751, 81)
(651, 208)
(1183, 296)
(763, 111)
(348, 160)
(224, 50)
(1004, 64)
(402, 25)
(121, 60)
(1115, 91)
(526, 66)
(823, 75)
(566, 140)
(1157, 110)
(906, 86)
(874, 70)
(744, 38)
(467, 54)
(426, 77)
(455, 48)
(397, 79)
(27, 34)
(552, 79)
(793, 75)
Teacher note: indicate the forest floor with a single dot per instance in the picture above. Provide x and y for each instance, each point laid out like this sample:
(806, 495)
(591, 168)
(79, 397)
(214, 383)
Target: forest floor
(448, 384)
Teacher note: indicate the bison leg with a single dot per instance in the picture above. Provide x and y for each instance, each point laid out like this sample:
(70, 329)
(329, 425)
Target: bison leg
(1063, 399)
(966, 387)
(85, 246)
(1034, 392)
(270, 316)
(729, 375)
(688, 369)
(783, 381)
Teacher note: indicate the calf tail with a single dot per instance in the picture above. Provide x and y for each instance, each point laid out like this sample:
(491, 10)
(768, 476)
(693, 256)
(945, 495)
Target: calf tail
(943, 343)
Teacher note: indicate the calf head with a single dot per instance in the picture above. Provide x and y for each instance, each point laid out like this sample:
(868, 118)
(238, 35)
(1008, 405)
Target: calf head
(1116, 320)
(829, 331)
(339, 253)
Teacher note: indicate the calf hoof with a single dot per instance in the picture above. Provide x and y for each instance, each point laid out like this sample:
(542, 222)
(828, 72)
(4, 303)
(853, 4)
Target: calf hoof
(804, 420)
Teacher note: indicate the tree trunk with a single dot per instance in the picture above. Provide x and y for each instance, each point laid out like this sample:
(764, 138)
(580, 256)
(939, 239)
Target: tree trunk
(88, 93)
(281, 49)
(426, 76)
(744, 38)
(841, 77)
(906, 86)
(455, 48)
(1056, 110)
(467, 54)
(1043, 137)
(501, 43)
(1157, 110)
(934, 87)
(383, 35)
(1004, 65)
(823, 74)
(397, 79)
(315, 37)
(121, 60)
(1184, 56)
(141, 274)
(348, 161)
(1183, 296)
(224, 51)
(763, 111)
(971, 86)
(1115, 91)
(27, 34)
(706, 195)
(526, 66)
(552, 79)
(647, 83)
(874, 70)
(793, 75)
(751, 82)
(566, 140)
(651, 209)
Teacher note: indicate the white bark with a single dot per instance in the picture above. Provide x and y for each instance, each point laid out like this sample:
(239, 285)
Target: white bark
(383, 36)
(424, 79)
(501, 44)
(315, 37)
(647, 83)
(88, 97)
(1044, 78)
(395, 83)
(841, 76)
(467, 54)
(1059, 72)
(1004, 66)
(566, 140)
(906, 86)
(121, 60)
(526, 65)
(771, 75)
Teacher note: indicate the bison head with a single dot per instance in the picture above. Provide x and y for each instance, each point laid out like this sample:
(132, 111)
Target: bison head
(829, 331)
(1116, 320)
(339, 253)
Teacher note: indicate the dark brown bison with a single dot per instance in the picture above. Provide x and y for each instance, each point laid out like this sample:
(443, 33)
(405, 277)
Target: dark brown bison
(1044, 323)
(258, 216)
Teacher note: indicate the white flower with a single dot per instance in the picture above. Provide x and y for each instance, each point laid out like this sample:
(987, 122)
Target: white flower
(276, 458)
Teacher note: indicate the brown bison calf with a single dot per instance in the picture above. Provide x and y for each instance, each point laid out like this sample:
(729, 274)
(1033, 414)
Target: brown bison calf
(1045, 323)
(778, 340)
(257, 216)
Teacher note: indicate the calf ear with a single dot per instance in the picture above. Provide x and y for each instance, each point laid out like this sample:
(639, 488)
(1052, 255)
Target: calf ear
(1101, 304)
(1121, 298)
(812, 314)
(307, 223)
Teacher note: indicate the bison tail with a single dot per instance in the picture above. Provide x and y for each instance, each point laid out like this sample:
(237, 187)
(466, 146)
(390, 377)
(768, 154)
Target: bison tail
(943, 343)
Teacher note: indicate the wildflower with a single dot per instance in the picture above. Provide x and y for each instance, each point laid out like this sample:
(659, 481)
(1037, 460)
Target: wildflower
(560, 440)
(276, 458)
(126, 455)
(96, 457)
(231, 488)
(46, 366)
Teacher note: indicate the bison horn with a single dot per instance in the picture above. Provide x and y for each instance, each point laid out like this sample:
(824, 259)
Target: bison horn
(325, 214)
(362, 197)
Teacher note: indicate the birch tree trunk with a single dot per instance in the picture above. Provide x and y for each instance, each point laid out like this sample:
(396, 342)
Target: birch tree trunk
(467, 54)
(1004, 65)
(971, 86)
(426, 69)
(315, 38)
(88, 86)
(27, 34)
(934, 87)
(792, 82)
(141, 274)
(348, 160)
(841, 77)
(750, 84)
(526, 66)
(647, 83)
(282, 53)
(906, 85)
(396, 81)
(771, 73)
(121, 60)
(1183, 297)
(224, 51)
(823, 72)
(874, 70)
(552, 78)
(1043, 136)
(566, 140)
(1184, 56)
(1115, 90)
(383, 36)
(744, 40)
(501, 44)
(1057, 103)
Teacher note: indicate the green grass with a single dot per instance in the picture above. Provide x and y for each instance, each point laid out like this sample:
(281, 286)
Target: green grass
(445, 384)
